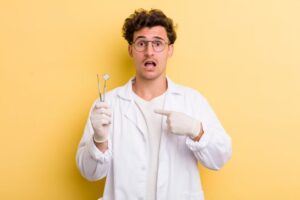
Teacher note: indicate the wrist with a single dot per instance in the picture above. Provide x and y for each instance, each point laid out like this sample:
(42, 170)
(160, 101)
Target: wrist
(103, 146)
(198, 137)
(99, 138)
(197, 131)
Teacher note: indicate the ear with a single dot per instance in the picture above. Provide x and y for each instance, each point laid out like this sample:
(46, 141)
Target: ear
(170, 50)
(130, 50)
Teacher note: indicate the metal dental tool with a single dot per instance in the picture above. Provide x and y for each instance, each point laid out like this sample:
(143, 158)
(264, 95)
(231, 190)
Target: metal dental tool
(105, 78)
(100, 97)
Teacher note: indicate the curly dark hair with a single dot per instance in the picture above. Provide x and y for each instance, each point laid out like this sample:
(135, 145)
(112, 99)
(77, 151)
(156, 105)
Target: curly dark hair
(142, 18)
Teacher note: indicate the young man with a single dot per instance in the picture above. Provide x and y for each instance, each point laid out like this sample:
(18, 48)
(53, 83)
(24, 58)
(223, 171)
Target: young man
(147, 137)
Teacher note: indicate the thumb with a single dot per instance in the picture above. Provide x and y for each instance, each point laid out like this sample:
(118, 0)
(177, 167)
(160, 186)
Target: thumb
(162, 112)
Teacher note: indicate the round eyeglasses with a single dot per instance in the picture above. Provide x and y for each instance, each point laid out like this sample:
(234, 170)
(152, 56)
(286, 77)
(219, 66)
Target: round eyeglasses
(141, 45)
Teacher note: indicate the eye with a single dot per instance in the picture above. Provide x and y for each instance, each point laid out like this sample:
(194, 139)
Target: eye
(141, 43)
(157, 43)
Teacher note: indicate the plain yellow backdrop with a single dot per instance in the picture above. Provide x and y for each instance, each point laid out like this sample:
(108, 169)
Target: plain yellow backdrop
(242, 55)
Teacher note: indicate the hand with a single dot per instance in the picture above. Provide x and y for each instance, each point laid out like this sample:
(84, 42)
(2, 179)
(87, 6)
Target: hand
(101, 120)
(181, 124)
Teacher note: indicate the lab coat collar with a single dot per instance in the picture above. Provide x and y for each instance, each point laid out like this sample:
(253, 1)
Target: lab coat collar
(126, 91)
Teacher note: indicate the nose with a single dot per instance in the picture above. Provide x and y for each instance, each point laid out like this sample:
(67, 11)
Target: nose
(149, 49)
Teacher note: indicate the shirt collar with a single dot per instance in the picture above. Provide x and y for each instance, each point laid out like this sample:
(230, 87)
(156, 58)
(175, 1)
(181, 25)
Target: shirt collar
(126, 91)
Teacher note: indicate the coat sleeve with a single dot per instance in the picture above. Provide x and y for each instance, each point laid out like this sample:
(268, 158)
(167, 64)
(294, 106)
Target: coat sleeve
(213, 149)
(91, 162)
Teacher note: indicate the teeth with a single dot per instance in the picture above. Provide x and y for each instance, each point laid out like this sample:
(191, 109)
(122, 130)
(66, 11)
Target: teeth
(150, 63)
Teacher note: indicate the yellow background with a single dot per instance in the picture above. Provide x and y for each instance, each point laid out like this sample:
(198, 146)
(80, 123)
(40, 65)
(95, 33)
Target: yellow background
(243, 55)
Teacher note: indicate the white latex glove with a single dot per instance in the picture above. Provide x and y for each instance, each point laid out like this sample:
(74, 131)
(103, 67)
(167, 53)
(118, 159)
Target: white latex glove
(101, 120)
(180, 123)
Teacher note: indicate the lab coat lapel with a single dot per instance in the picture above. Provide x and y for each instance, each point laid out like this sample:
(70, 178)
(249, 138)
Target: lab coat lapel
(131, 111)
(173, 100)
(134, 115)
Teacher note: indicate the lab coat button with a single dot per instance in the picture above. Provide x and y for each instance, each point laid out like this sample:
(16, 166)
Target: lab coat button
(143, 167)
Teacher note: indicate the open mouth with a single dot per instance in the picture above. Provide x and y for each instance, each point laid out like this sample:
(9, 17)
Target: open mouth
(150, 63)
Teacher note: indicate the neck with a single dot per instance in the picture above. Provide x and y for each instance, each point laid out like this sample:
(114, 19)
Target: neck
(149, 89)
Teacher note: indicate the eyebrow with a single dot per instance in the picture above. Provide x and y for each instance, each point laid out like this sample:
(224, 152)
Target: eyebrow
(143, 37)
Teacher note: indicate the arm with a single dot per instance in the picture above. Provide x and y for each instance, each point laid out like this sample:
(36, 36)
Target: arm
(213, 149)
(93, 159)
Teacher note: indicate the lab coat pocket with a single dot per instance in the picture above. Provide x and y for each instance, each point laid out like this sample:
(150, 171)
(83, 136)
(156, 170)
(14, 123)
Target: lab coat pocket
(193, 196)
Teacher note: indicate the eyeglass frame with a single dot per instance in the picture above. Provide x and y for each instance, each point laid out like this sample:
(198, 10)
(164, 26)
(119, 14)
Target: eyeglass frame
(147, 43)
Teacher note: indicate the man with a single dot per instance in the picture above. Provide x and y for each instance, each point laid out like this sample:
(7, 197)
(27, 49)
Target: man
(147, 137)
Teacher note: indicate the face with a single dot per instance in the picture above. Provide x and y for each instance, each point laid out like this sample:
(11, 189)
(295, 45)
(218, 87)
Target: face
(150, 64)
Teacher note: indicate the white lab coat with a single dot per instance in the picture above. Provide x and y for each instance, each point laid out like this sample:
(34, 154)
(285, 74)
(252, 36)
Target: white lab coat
(125, 162)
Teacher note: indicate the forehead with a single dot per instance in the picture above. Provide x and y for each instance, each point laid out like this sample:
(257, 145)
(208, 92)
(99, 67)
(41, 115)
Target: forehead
(150, 33)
